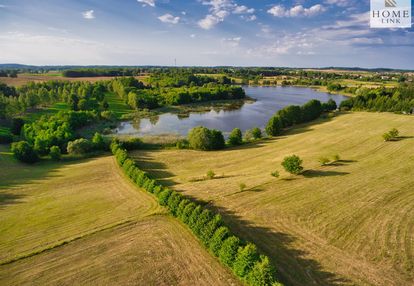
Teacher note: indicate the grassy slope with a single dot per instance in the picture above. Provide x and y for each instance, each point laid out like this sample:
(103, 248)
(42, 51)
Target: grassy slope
(348, 223)
(99, 227)
(117, 105)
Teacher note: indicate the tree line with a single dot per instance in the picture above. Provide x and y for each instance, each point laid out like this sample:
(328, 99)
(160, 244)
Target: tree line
(140, 96)
(400, 100)
(243, 258)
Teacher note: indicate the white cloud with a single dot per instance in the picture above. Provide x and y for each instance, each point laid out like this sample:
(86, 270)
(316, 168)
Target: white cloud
(147, 2)
(209, 22)
(168, 18)
(243, 10)
(296, 11)
(88, 14)
(220, 9)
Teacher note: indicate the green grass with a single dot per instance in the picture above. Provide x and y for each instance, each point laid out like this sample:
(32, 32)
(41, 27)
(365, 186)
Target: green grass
(83, 222)
(348, 223)
(4, 130)
(37, 113)
(117, 105)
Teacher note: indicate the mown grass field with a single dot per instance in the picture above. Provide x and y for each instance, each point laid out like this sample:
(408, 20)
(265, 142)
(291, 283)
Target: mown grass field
(349, 223)
(84, 223)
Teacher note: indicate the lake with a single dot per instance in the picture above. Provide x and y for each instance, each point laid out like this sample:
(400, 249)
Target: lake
(253, 114)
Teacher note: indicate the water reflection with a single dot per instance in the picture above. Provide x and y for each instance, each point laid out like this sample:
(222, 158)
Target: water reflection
(242, 115)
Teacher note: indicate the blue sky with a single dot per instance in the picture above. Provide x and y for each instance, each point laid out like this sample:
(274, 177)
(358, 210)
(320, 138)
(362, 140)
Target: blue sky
(298, 33)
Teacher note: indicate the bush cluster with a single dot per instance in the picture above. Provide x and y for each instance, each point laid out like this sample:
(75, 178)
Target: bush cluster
(293, 114)
(243, 258)
(202, 138)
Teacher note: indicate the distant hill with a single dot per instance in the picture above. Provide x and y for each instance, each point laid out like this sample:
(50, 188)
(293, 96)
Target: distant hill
(66, 67)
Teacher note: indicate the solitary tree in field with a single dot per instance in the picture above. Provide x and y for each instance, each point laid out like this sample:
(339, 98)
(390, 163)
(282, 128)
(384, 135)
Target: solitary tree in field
(293, 164)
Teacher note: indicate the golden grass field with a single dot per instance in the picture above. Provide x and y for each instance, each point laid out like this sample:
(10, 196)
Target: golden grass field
(349, 223)
(23, 79)
(84, 223)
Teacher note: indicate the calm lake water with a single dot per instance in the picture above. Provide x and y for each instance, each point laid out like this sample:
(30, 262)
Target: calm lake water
(255, 114)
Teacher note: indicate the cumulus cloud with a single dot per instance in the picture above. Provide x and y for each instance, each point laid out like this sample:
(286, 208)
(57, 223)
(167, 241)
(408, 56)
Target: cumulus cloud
(243, 10)
(88, 15)
(168, 18)
(220, 9)
(147, 2)
(296, 11)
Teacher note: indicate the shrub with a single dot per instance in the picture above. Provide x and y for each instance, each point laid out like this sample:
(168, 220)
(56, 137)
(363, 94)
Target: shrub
(228, 250)
(192, 220)
(24, 152)
(293, 164)
(210, 175)
(216, 140)
(55, 153)
(16, 126)
(157, 190)
(181, 207)
(311, 110)
(121, 155)
(108, 115)
(274, 126)
(275, 174)
(173, 202)
(201, 138)
(99, 142)
(329, 106)
(217, 239)
(185, 215)
(394, 133)
(242, 187)
(336, 158)
(79, 146)
(236, 137)
(262, 273)
(163, 197)
(245, 259)
(256, 133)
(182, 144)
(290, 115)
(203, 218)
(324, 161)
(391, 135)
(387, 137)
(208, 230)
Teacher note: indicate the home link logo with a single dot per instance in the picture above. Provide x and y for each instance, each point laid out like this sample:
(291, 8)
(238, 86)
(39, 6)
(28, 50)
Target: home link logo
(390, 14)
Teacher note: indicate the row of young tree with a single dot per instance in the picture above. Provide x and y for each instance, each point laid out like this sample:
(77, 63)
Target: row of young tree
(243, 258)
(294, 114)
(399, 100)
